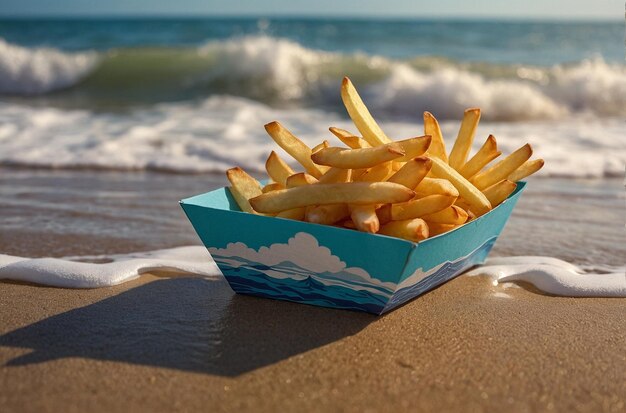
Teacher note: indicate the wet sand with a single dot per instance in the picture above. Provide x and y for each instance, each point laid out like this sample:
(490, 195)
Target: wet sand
(186, 344)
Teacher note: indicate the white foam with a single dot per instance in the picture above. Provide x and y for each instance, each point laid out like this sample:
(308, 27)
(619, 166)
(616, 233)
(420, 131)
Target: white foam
(223, 131)
(548, 274)
(554, 276)
(27, 71)
(68, 273)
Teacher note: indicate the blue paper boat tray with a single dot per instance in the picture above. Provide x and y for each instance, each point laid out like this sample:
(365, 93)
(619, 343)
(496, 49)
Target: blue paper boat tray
(335, 267)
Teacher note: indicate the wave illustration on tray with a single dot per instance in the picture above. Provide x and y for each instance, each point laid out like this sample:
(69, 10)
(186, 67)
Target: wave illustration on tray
(302, 269)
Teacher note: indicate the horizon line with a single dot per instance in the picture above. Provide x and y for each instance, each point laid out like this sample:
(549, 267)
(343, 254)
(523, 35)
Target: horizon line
(547, 19)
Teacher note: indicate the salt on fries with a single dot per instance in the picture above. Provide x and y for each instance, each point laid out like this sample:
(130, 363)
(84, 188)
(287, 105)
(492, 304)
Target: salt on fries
(411, 188)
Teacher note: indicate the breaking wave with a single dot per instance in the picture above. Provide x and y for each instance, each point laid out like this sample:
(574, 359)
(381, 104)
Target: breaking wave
(278, 71)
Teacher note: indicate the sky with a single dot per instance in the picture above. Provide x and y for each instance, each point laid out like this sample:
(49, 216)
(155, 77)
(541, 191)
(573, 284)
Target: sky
(543, 9)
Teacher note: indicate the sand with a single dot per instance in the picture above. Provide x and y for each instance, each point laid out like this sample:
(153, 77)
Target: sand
(187, 344)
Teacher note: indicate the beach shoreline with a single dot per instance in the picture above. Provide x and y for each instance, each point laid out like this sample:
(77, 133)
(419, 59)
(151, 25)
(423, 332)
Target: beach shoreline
(185, 344)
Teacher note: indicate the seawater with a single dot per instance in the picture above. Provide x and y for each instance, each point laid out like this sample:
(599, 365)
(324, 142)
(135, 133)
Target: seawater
(191, 95)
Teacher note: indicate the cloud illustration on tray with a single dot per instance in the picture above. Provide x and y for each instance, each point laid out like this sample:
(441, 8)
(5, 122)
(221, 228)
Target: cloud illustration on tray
(301, 258)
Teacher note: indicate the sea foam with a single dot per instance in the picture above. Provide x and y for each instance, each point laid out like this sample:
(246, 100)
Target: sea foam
(548, 274)
(278, 71)
(25, 71)
(222, 131)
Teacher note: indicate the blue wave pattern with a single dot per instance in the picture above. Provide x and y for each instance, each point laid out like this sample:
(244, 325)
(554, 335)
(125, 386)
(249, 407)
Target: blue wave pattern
(252, 278)
(289, 281)
(445, 273)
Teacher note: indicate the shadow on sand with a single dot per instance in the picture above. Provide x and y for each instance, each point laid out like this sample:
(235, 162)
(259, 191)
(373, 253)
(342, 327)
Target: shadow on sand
(188, 324)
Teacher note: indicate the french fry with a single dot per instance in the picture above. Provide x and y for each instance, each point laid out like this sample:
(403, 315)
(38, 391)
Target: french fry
(437, 145)
(377, 173)
(412, 173)
(413, 147)
(322, 145)
(327, 214)
(295, 214)
(272, 187)
(357, 158)
(294, 180)
(528, 168)
(502, 169)
(294, 147)
(464, 139)
(438, 186)
(335, 176)
(277, 169)
(348, 224)
(411, 229)
(357, 173)
(364, 218)
(479, 203)
(361, 116)
(359, 193)
(452, 215)
(300, 179)
(421, 207)
(497, 193)
(350, 140)
(243, 188)
(487, 153)
(384, 214)
(435, 229)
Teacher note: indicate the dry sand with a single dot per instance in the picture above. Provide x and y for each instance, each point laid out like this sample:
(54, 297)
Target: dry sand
(188, 344)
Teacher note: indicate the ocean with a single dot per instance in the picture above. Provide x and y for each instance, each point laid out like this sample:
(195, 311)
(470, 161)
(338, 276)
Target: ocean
(192, 95)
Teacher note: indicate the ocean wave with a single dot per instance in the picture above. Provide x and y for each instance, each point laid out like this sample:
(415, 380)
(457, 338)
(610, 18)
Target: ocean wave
(283, 72)
(25, 71)
(223, 131)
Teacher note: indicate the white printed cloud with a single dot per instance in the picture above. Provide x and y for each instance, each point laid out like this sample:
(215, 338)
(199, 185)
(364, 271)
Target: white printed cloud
(304, 251)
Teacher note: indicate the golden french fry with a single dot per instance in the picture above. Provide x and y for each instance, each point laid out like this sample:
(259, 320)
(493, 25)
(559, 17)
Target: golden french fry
(357, 173)
(479, 203)
(413, 147)
(435, 228)
(412, 173)
(528, 168)
(497, 193)
(295, 214)
(327, 214)
(487, 153)
(335, 176)
(461, 203)
(420, 207)
(411, 229)
(272, 187)
(364, 218)
(357, 158)
(464, 139)
(435, 186)
(243, 188)
(294, 147)
(300, 179)
(377, 173)
(322, 145)
(452, 215)
(277, 169)
(437, 145)
(502, 169)
(349, 139)
(359, 193)
(384, 214)
(361, 116)
(348, 224)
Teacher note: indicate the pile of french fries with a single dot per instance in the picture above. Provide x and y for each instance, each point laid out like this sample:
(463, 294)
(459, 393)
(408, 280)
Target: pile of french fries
(411, 188)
